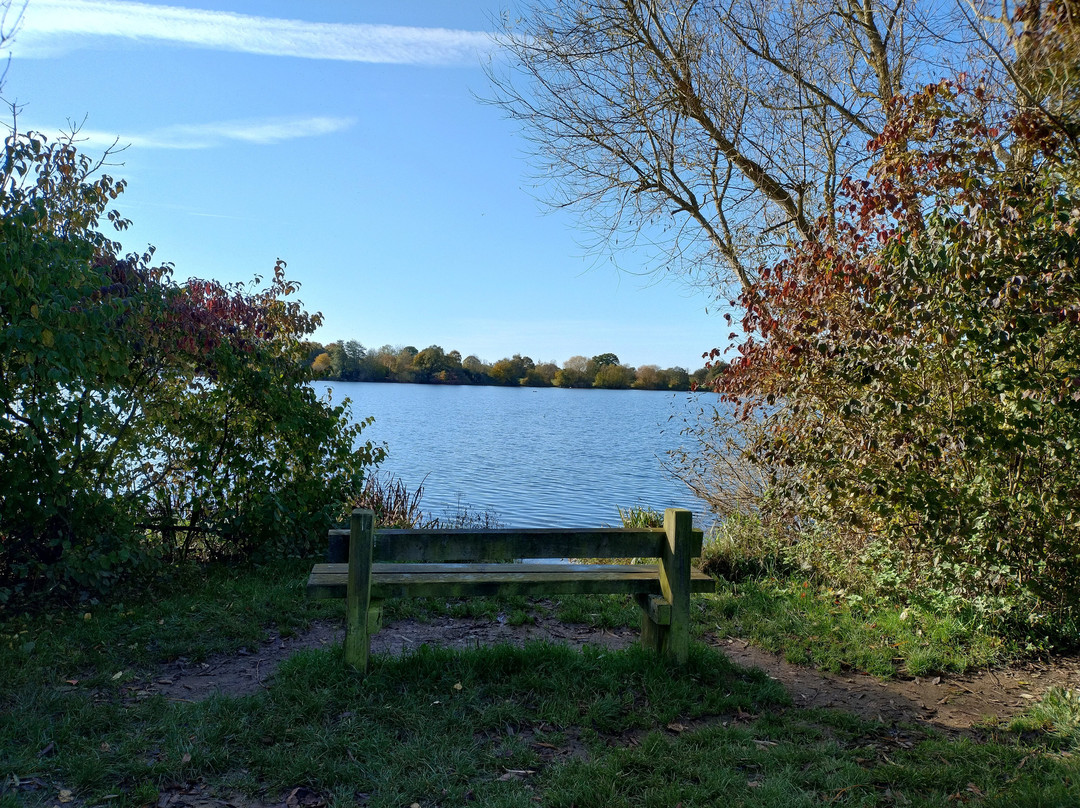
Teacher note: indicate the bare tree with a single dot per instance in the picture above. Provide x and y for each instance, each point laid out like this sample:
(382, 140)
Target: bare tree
(721, 128)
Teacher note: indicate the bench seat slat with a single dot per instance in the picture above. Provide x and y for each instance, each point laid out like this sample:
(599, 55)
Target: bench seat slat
(450, 580)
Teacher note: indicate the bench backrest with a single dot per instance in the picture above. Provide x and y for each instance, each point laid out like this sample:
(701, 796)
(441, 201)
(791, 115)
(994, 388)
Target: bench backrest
(445, 546)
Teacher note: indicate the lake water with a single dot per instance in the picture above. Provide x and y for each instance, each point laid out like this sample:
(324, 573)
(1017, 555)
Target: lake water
(544, 457)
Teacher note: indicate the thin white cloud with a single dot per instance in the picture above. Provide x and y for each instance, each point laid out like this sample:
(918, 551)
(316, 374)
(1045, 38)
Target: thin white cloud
(54, 26)
(209, 135)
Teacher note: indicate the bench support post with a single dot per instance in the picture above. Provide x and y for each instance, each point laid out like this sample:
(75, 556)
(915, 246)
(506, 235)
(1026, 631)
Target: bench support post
(655, 621)
(358, 629)
(675, 583)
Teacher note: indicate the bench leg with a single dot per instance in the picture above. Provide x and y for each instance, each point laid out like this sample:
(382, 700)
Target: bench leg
(675, 582)
(358, 629)
(654, 629)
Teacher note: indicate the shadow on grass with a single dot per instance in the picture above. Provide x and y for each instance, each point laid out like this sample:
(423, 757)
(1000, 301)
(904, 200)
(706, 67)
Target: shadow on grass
(504, 726)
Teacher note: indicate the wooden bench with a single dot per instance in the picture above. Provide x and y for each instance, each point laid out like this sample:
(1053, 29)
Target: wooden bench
(463, 563)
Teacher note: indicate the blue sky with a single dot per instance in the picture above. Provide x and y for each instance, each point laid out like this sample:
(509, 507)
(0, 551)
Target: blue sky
(345, 138)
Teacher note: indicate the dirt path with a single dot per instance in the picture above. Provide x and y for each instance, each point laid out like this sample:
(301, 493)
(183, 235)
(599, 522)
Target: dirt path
(246, 672)
(953, 703)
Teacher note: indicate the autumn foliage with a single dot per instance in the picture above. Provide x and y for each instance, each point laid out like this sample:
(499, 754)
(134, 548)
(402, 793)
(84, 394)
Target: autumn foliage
(918, 367)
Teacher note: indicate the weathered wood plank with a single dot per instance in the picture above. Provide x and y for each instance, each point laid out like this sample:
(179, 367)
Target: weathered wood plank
(675, 582)
(655, 619)
(432, 546)
(464, 580)
(358, 589)
(659, 609)
(479, 568)
(512, 570)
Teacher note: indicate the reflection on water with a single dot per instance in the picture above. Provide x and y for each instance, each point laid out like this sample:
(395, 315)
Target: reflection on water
(537, 457)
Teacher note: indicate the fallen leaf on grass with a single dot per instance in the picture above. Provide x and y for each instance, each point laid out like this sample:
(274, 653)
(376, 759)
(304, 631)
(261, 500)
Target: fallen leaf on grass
(65, 796)
(302, 797)
(675, 726)
(516, 774)
(186, 758)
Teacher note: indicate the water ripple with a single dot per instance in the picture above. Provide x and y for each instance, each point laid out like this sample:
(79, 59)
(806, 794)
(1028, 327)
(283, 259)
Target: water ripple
(543, 458)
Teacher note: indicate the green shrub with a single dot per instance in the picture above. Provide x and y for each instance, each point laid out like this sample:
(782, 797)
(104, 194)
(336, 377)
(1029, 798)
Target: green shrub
(142, 419)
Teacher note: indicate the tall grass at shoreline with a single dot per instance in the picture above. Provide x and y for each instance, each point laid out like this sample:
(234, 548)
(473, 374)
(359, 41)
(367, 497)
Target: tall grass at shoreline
(397, 507)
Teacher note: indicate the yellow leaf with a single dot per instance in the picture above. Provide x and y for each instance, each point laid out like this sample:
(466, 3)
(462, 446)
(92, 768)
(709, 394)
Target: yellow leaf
(47, 338)
(65, 796)
(34, 311)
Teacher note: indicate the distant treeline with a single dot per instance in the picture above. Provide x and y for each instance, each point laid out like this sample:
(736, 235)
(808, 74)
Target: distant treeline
(350, 361)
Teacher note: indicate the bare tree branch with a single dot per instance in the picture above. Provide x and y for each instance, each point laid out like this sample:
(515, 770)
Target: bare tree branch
(11, 16)
(734, 116)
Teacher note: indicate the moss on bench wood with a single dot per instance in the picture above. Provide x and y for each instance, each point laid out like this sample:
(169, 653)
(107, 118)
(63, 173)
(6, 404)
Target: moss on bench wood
(434, 546)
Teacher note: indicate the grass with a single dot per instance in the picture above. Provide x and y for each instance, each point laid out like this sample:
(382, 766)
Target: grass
(492, 726)
(812, 624)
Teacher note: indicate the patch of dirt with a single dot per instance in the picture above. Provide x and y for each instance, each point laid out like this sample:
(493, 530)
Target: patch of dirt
(953, 703)
(405, 636)
(237, 674)
(248, 671)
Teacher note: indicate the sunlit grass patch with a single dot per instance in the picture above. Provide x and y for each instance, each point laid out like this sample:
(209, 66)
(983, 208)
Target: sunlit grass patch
(813, 624)
(1056, 715)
